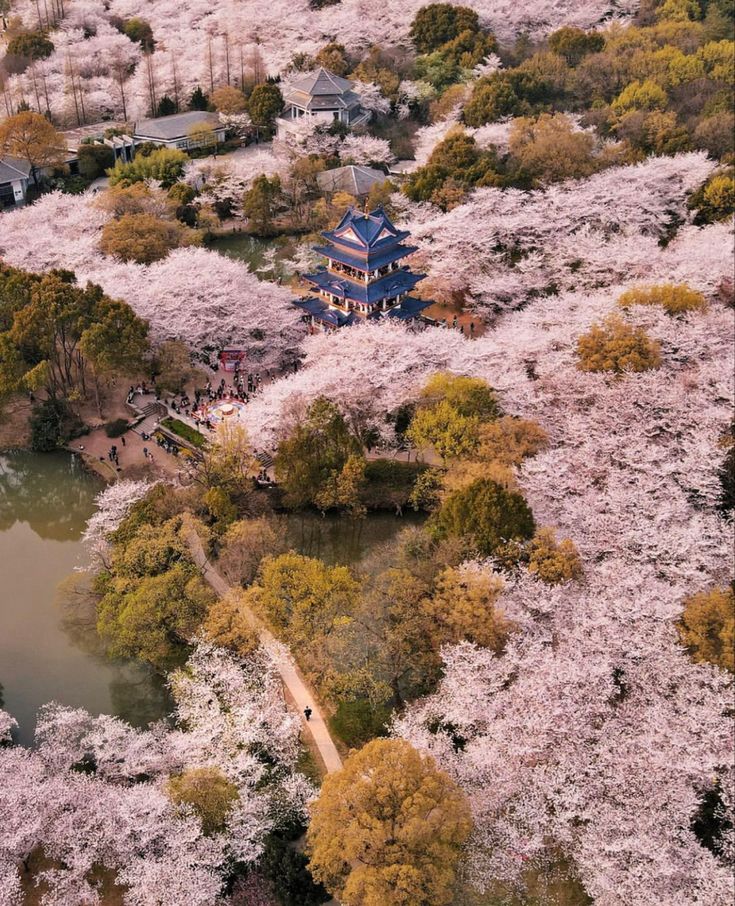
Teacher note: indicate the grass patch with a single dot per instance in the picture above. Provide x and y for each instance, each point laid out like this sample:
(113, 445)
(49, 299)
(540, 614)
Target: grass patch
(186, 432)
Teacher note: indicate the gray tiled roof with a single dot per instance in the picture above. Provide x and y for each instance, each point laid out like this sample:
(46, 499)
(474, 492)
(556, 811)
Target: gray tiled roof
(178, 125)
(11, 168)
(321, 81)
(321, 90)
(352, 179)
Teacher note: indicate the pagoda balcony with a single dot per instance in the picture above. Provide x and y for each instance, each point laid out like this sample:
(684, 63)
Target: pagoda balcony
(344, 270)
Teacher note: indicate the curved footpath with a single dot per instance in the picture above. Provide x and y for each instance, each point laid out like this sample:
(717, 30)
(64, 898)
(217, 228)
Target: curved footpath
(294, 683)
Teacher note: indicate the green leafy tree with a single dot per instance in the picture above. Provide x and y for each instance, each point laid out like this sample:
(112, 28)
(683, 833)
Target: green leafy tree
(550, 149)
(302, 598)
(333, 57)
(574, 44)
(438, 23)
(145, 238)
(646, 95)
(715, 200)
(198, 99)
(314, 454)
(36, 45)
(115, 343)
(140, 31)
(486, 513)
(388, 829)
(264, 105)
(166, 106)
(260, 204)
(165, 165)
(94, 159)
(208, 792)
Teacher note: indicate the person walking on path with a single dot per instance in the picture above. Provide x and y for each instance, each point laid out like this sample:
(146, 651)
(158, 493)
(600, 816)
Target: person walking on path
(307, 712)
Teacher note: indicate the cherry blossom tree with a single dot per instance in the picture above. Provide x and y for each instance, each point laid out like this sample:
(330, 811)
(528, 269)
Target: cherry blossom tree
(93, 790)
(113, 505)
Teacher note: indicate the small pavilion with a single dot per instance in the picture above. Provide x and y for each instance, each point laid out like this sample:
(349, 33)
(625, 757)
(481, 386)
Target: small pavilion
(321, 98)
(364, 277)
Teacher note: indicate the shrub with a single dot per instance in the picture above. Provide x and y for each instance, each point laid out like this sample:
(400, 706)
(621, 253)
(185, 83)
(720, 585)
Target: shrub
(390, 482)
(208, 792)
(707, 627)
(615, 346)
(165, 165)
(94, 159)
(117, 427)
(486, 513)
(52, 424)
(672, 297)
(357, 722)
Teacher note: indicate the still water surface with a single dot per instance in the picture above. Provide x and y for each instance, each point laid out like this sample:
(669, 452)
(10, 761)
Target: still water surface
(45, 501)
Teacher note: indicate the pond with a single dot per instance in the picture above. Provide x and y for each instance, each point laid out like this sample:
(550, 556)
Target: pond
(264, 257)
(45, 501)
(339, 540)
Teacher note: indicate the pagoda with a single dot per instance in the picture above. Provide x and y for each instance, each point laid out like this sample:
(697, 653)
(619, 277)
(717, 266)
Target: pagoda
(364, 278)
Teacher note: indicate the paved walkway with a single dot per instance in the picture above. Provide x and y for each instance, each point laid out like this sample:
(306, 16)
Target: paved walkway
(297, 689)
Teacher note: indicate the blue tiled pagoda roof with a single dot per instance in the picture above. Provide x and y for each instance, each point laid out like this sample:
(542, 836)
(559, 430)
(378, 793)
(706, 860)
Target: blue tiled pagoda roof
(362, 263)
(319, 310)
(367, 235)
(410, 307)
(399, 281)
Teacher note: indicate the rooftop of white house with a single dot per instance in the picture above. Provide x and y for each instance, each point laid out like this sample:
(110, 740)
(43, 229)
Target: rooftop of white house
(11, 169)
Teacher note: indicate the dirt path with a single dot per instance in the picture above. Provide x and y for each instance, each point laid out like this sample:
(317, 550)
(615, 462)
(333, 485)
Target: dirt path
(295, 685)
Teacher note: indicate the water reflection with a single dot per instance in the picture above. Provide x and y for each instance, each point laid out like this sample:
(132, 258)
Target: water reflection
(49, 650)
(349, 542)
(51, 492)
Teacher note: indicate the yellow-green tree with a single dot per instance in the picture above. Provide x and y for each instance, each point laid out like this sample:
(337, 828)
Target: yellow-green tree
(617, 347)
(228, 626)
(303, 598)
(707, 627)
(551, 560)
(207, 792)
(462, 607)
(388, 829)
(144, 238)
(31, 138)
(229, 100)
(246, 543)
(549, 148)
(674, 298)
